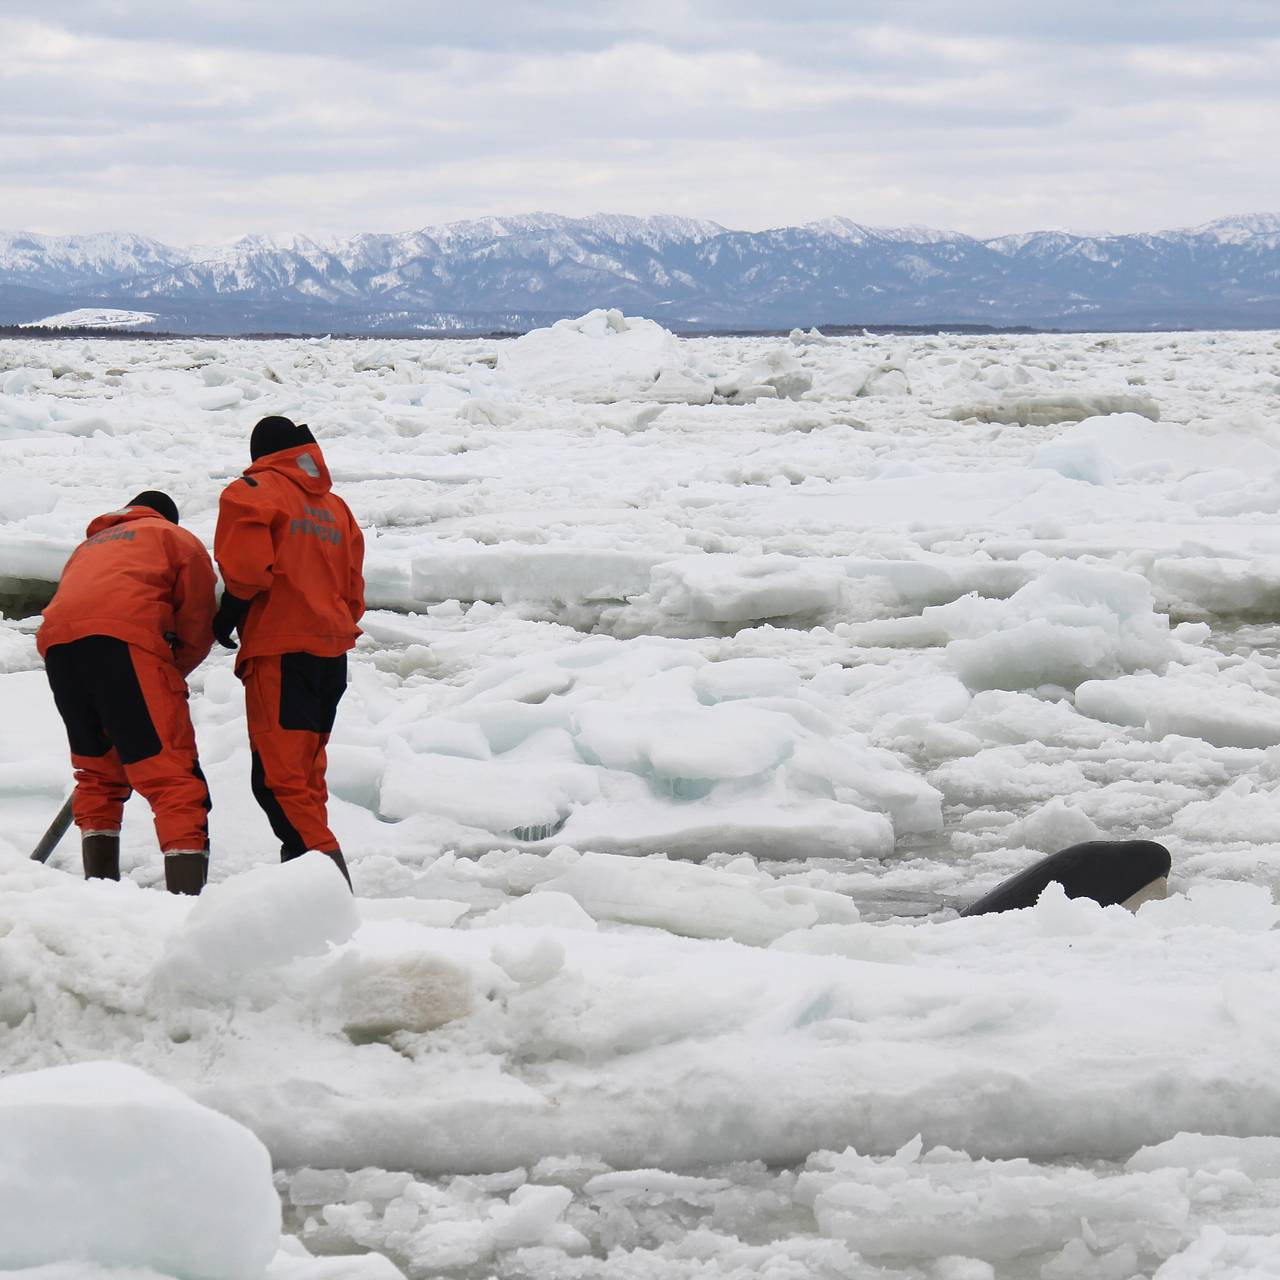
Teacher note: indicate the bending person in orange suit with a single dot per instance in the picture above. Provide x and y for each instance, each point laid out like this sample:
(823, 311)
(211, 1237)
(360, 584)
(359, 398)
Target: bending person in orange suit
(292, 559)
(129, 622)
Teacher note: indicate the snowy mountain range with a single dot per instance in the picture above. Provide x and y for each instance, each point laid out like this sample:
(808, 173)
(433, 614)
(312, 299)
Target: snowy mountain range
(518, 272)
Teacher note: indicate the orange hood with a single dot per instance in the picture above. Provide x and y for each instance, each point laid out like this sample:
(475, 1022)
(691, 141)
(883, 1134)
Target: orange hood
(126, 515)
(304, 466)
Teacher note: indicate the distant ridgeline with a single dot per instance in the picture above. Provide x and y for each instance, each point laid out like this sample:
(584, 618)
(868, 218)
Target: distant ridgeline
(512, 274)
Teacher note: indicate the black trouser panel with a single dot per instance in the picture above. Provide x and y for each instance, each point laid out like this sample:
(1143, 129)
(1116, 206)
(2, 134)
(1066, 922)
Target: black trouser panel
(199, 772)
(310, 690)
(98, 696)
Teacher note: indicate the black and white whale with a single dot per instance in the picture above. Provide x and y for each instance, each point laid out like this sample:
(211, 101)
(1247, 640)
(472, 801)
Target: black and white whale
(1123, 873)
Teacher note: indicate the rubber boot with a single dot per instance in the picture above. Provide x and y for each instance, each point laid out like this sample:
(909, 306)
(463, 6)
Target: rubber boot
(185, 870)
(101, 853)
(341, 863)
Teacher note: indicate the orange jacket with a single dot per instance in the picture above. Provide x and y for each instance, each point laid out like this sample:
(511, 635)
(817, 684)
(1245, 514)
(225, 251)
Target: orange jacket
(289, 544)
(141, 579)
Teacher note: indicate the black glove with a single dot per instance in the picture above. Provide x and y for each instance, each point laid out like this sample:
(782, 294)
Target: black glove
(231, 611)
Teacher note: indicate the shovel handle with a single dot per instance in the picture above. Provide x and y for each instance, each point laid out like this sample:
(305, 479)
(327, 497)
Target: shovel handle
(57, 829)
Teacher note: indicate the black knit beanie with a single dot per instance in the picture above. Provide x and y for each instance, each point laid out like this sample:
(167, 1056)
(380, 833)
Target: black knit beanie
(159, 502)
(273, 434)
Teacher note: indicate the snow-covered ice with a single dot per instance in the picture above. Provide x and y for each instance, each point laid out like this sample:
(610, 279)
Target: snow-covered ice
(705, 678)
(99, 1161)
(243, 929)
(95, 318)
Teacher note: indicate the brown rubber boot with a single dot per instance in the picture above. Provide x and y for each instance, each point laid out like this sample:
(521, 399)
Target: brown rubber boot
(100, 851)
(185, 870)
(341, 863)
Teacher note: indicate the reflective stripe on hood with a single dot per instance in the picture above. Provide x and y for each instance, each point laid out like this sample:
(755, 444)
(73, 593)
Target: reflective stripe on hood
(304, 466)
(126, 515)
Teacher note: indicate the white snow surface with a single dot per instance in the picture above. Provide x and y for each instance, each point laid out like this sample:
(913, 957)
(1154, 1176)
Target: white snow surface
(703, 679)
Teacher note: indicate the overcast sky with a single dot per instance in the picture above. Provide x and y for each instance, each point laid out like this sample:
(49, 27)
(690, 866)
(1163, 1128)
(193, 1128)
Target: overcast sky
(198, 122)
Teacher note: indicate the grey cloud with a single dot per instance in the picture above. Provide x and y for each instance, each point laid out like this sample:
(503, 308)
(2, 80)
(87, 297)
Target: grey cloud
(1083, 22)
(989, 117)
(399, 28)
(394, 29)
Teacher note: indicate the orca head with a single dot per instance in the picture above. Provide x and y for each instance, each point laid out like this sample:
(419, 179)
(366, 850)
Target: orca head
(1111, 872)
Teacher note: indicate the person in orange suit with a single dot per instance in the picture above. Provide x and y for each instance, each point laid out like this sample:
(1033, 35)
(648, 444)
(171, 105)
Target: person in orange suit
(130, 620)
(292, 563)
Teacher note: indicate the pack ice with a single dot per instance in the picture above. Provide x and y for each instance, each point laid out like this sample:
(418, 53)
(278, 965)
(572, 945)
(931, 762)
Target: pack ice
(704, 678)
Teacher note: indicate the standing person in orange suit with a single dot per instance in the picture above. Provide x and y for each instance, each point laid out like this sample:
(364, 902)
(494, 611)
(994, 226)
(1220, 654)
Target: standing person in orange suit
(292, 559)
(131, 619)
